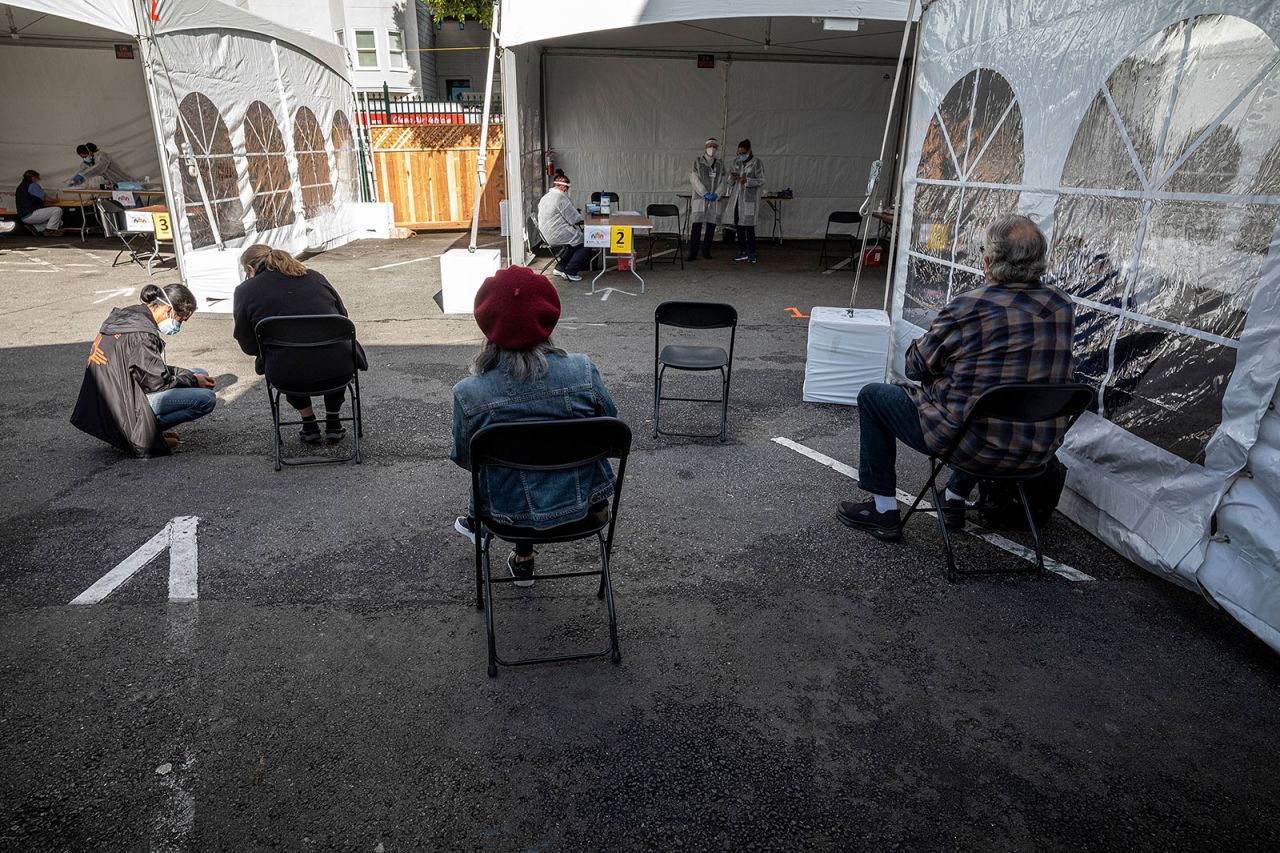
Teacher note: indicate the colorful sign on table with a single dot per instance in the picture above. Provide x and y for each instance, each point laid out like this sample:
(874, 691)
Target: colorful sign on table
(620, 240)
(124, 198)
(135, 220)
(595, 236)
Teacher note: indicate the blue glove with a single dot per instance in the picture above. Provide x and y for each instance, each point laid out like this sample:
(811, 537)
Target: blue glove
(78, 179)
(710, 196)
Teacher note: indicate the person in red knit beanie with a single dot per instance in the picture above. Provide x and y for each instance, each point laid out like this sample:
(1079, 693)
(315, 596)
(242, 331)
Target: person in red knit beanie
(520, 375)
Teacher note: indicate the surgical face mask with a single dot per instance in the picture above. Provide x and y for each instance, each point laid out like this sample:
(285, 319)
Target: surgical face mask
(170, 326)
(88, 161)
(742, 158)
(711, 152)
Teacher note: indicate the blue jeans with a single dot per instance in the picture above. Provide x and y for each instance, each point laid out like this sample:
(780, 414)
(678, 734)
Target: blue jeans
(886, 415)
(179, 405)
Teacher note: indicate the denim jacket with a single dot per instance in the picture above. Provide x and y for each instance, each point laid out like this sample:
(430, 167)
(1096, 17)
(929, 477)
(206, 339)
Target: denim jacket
(571, 388)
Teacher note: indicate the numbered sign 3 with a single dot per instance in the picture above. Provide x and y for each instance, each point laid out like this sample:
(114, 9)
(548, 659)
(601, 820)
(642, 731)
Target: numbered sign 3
(620, 240)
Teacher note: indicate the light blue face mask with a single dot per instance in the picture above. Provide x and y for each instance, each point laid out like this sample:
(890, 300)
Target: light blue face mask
(88, 161)
(742, 158)
(170, 325)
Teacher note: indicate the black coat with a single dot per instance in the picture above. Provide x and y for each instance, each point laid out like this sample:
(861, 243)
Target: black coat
(274, 294)
(126, 362)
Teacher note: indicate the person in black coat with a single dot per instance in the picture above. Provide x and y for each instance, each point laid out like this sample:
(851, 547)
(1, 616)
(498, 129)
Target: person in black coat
(129, 396)
(278, 285)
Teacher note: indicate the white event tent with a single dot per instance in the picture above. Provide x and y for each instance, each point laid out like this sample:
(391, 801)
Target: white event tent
(247, 123)
(616, 91)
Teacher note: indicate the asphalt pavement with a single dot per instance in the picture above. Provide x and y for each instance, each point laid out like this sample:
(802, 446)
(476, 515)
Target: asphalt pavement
(786, 683)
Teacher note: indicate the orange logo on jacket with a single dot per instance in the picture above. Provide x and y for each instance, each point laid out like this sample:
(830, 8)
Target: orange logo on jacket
(96, 355)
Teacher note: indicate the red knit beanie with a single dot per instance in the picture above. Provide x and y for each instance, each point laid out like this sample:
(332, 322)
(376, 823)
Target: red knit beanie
(516, 308)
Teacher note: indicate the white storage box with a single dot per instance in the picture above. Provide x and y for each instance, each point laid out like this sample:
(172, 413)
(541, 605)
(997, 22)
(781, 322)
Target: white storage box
(462, 273)
(847, 350)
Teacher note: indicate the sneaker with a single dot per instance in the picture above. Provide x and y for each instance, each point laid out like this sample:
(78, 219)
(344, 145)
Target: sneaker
(170, 439)
(753, 260)
(53, 232)
(466, 526)
(522, 571)
(885, 526)
(566, 275)
(953, 513)
(692, 257)
(706, 255)
(310, 433)
(742, 256)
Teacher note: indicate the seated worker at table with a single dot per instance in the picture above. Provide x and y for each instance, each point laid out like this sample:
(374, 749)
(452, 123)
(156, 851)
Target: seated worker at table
(129, 396)
(278, 285)
(561, 226)
(520, 375)
(40, 217)
(1013, 328)
(708, 182)
(746, 175)
(95, 163)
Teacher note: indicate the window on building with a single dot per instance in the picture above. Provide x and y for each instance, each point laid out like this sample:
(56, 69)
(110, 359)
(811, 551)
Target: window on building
(456, 86)
(395, 47)
(366, 49)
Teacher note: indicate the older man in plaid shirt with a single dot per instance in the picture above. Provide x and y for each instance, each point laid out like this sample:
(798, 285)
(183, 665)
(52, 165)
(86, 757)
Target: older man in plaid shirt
(1011, 329)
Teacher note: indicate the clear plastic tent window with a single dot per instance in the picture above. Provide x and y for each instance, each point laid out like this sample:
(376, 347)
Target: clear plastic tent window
(208, 161)
(313, 163)
(974, 141)
(268, 168)
(1168, 200)
(344, 156)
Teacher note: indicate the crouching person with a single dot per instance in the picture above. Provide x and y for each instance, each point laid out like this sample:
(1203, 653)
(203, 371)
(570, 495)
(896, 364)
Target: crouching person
(520, 375)
(129, 397)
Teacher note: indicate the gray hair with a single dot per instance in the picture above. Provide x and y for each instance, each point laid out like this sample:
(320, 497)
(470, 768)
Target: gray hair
(1015, 250)
(519, 364)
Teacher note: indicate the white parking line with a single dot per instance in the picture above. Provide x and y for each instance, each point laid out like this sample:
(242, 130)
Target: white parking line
(1028, 554)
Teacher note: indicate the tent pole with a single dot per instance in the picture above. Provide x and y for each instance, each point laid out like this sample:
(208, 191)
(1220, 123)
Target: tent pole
(166, 179)
(481, 177)
(517, 244)
(901, 175)
(873, 179)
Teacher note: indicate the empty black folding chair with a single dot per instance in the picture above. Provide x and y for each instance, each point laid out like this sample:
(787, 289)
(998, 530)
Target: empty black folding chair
(1018, 402)
(613, 199)
(693, 315)
(665, 211)
(545, 447)
(842, 217)
(310, 355)
(112, 216)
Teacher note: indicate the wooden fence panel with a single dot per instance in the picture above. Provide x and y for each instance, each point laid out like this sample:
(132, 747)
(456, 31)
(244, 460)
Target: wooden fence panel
(428, 173)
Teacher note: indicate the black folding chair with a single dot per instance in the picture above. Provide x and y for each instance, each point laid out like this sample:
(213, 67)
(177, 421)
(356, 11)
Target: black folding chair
(842, 217)
(548, 446)
(112, 216)
(310, 355)
(693, 315)
(1017, 402)
(613, 198)
(665, 211)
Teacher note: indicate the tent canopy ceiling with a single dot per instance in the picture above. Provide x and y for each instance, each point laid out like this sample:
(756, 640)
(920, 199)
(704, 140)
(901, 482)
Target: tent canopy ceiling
(755, 37)
(106, 20)
(525, 21)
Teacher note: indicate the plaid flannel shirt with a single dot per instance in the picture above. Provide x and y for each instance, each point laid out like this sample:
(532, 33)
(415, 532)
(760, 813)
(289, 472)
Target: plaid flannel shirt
(988, 336)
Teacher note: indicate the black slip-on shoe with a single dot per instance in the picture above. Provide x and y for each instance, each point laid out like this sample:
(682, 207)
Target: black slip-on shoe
(886, 526)
(953, 513)
(310, 433)
(522, 571)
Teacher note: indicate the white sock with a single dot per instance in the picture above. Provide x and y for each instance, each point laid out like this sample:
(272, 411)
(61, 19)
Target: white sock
(885, 504)
(949, 495)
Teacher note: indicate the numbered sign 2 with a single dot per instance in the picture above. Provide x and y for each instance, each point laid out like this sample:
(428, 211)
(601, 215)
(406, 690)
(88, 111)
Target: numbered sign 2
(620, 240)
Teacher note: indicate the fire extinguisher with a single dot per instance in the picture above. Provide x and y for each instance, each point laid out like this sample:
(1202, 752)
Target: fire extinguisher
(550, 158)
